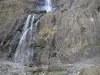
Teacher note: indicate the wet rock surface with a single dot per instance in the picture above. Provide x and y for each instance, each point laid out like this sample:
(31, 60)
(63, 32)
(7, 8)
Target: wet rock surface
(67, 40)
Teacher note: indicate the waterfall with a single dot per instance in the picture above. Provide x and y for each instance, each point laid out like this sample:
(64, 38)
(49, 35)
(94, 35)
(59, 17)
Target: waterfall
(25, 52)
(27, 23)
(44, 6)
(48, 5)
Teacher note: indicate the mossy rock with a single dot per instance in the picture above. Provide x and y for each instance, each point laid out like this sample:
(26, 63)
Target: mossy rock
(40, 43)
(50, 71)
(90, 71)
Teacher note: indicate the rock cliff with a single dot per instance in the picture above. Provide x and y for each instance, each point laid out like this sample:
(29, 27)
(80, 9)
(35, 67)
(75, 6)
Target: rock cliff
(67, 40)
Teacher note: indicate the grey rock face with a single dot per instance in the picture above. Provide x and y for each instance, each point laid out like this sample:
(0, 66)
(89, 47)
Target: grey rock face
(70, 35)
(9, 68)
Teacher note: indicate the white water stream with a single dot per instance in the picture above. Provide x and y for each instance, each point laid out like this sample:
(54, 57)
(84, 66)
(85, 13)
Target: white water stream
(25, 52)
(48, 5)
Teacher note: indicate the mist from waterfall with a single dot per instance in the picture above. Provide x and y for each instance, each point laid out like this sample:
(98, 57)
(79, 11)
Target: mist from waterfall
(25, 51)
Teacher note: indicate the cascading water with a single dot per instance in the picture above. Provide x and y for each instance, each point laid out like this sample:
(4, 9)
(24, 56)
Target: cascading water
(25, 52)
(48, 5)
(45, 5)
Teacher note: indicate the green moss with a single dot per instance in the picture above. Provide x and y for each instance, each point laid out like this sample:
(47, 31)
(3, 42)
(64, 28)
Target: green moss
(92, 45)
(40, 43)
(45, 70)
